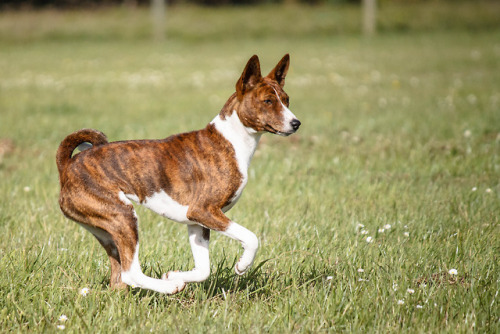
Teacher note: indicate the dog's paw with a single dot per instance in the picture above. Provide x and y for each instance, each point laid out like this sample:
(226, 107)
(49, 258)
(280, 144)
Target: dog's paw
(175, 285)
(238, 271)
(179, 286)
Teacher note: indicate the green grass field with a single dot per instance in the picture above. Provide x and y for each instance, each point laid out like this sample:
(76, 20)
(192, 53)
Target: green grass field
(391, 182)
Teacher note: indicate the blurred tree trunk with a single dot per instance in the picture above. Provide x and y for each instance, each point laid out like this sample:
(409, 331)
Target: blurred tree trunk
(158, 13)
(130, 3)
(369, 17)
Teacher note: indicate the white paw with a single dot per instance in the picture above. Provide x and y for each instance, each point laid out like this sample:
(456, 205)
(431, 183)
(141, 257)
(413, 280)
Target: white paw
(240, 272)
(174, 285)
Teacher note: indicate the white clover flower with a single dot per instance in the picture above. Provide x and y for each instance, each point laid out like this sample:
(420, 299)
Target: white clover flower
(328, 278)
(387, 226)
(453, 272)
(420, 306)
(381, 230)
(369, 239)
(401, 302)
(488, 190)
(364, 232)
(410, 291)
(394, 286)
(63, 318)
(61, 327)
(84, 291)
(472, 99)
(27, 189)
(474, 189)
(382, 102)
(360, 225)
(475, 54)
(458, 82)
(467, 133)
(375, 75)
(406, 234)
(361, 270)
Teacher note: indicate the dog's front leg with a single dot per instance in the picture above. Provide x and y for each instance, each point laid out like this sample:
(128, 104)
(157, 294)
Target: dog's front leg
(199, 238)
(215, 219)
(249, 242)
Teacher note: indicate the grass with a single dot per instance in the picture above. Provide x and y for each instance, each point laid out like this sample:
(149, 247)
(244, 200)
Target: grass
(402, 129)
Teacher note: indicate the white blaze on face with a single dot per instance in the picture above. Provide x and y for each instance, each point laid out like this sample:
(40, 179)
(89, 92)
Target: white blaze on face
(288, 116)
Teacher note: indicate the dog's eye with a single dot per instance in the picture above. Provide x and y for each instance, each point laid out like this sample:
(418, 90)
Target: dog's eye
(268, 101)
(287, 101)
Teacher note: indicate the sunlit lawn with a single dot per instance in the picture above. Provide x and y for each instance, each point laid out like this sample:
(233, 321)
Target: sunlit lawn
(390, 185)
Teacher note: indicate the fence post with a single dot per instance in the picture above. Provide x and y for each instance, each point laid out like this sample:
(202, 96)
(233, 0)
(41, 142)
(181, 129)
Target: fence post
(369, 17)
(158, 13)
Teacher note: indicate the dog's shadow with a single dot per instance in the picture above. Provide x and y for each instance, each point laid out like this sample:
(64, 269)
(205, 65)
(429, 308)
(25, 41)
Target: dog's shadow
(223, 283)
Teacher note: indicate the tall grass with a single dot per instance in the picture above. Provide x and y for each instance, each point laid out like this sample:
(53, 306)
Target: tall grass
(391, 182)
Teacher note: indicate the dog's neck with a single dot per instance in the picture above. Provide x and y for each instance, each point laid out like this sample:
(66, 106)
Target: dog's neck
(243, 139)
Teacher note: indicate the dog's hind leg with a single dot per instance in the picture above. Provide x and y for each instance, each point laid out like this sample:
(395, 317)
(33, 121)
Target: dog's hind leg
(117, 231)
(124, 231)
(116, 267)
(199, 238)
(106, 241)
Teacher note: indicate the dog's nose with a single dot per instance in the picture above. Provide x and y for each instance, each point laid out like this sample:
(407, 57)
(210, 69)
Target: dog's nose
(295, 124)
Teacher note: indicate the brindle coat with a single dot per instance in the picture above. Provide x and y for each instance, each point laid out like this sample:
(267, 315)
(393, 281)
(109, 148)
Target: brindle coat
(198, 169)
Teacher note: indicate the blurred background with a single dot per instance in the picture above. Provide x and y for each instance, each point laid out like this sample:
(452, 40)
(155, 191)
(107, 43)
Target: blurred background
(399, 102)
(163, 56)
(322, 16)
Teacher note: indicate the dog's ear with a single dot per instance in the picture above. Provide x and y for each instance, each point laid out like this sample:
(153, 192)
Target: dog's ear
(278, 74)
(249, 78)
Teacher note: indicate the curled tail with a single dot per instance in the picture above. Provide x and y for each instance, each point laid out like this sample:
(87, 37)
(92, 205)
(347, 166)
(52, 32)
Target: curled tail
(72, 141)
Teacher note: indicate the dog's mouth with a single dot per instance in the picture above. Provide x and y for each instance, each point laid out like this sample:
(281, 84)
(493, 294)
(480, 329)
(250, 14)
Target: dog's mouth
(284, 134)
(272, 130)
(294, 126)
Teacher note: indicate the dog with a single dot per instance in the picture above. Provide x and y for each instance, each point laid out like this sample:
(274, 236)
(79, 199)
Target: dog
(191, 178)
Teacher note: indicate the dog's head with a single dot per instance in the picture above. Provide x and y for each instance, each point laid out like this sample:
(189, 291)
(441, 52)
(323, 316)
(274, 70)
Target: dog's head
(264, 103)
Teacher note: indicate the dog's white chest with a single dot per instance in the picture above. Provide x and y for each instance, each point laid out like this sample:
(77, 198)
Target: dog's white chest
(244, 142)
